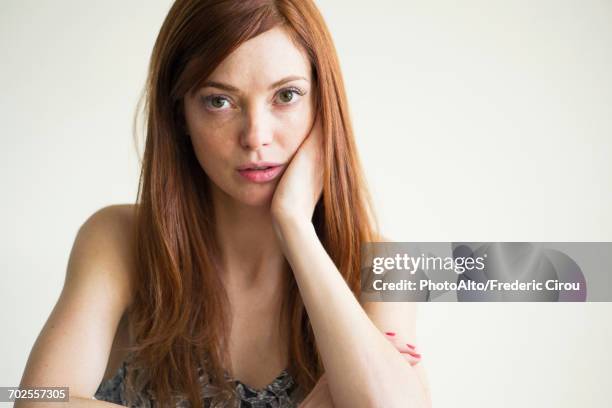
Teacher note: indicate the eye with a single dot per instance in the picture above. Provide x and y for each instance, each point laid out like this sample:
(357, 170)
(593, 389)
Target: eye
(216, 102)
(288, 95)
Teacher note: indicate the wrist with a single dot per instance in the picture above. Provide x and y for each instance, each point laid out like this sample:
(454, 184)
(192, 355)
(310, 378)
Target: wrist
(287, 219)
(287, 225)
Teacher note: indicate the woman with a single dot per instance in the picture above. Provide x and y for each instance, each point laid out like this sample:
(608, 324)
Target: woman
(235, 278)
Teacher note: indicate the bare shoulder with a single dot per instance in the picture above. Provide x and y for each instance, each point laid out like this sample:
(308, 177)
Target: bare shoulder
(107, 237)
(115, 216)
(111, 225)
(74, 345)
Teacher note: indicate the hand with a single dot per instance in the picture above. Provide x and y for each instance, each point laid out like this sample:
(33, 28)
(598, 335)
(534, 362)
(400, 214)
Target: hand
(319, 397)
(408, 350)
(301, 184)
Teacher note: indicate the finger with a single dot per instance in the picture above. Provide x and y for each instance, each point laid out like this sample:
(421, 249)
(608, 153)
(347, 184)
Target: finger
(399, 344)
(407, 350)
(411, 359)
(411, 353)
(393, 336)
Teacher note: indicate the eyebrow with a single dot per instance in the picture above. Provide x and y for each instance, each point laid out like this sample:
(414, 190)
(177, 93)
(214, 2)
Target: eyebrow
(231, 88)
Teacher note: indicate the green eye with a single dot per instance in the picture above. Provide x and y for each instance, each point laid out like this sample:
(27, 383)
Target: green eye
(217, 102)
(287, 96)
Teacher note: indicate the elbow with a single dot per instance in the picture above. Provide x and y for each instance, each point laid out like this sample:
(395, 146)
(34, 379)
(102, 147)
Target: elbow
(406, 402)
(72, 402)
(399, 398)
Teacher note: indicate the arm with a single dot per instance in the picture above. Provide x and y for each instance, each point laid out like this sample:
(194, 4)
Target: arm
(363, 368)
(75, 402)
(320, 397)
(398, 321)
(74, 345)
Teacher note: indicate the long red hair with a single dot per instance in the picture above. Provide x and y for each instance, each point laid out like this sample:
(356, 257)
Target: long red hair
(179, 313)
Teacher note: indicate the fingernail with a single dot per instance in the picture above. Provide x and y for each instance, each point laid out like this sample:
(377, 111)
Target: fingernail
(390, 333)
(411, 346)
(413, 354)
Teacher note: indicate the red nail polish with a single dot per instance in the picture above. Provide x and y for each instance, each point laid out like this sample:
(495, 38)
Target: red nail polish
(390, 333)
(415, 355)
(411, 346)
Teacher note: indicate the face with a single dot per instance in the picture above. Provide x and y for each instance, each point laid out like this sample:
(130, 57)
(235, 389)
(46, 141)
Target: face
(255, 108)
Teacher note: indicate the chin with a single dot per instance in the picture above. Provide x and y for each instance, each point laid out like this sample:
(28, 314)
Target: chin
(257, 202)
(259, 197)
(253, 195)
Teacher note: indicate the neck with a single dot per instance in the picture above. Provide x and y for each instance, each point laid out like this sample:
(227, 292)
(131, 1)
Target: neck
(251, 257)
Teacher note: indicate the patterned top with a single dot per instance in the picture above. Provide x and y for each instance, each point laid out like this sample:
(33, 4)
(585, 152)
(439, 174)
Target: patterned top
(282, 392)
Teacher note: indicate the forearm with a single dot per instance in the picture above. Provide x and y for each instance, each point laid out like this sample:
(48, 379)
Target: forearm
(74, 402)
(363, 368)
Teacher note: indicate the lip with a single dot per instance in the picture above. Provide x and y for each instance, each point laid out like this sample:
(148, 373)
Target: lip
(258, 164)
(260, 176)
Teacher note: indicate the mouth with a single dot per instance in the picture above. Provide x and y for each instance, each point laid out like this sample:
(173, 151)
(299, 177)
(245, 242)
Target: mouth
(260, 172)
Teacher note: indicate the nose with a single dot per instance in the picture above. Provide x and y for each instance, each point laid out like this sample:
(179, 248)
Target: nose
(257, 131)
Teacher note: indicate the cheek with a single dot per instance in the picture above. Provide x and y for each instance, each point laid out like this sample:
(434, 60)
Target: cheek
(212, 139)
(294, 128)
(213, 151)
(210, 134)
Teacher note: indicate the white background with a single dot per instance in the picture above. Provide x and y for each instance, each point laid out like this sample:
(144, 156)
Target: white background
(476, 121)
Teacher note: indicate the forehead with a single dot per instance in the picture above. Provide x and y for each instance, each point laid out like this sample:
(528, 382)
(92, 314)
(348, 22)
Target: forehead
(263, 60)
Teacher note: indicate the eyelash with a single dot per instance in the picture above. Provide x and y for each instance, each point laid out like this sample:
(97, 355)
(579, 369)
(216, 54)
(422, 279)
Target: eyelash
(209, 98)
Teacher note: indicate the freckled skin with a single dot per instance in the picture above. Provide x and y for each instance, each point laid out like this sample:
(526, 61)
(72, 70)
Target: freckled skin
(229, 128)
